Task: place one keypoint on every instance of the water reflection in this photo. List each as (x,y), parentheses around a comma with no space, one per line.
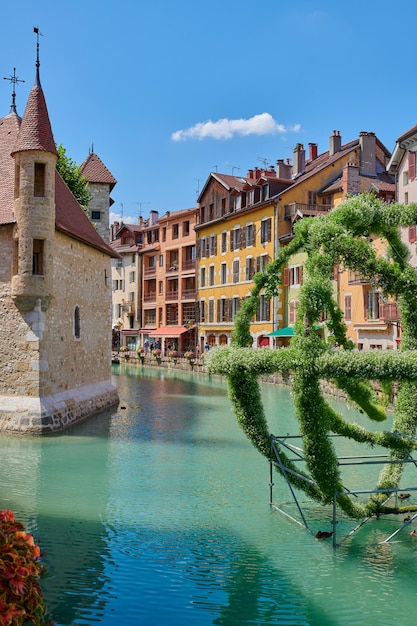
(158,513)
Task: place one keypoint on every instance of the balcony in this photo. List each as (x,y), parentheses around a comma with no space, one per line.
(150,297)
(150,272)
(356,278)
(291,210)
(188,294)
(171,295)
(389,312)
(188,265)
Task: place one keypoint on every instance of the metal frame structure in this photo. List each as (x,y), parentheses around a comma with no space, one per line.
(298,456)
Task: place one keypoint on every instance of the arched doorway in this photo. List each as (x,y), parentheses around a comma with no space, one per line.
(223,340)
(263,342)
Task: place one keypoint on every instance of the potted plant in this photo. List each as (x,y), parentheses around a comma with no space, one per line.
(190,356)
(125,352)
(173,354)
(141,354)
(157,354)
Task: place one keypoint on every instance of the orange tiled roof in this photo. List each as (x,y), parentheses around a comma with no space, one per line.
(71,219)
(9,128)
(94,170)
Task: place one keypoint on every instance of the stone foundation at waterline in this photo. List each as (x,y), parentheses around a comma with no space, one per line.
(51,414)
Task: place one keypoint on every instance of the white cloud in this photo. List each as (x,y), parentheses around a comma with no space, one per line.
(262,124)
(126,219)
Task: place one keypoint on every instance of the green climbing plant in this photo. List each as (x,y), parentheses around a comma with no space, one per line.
(341,238)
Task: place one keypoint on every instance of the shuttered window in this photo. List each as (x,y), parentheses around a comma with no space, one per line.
(411,165)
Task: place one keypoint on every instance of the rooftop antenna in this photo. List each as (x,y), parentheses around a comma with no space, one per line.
(234,167)
(215,166)
(197,191)
(264,161)
(140,206)
(14,80)
(121,211)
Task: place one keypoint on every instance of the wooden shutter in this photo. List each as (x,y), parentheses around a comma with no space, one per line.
(286,278)
(411,165)
(412,234)
(268,231)
(268,309)
(365,305)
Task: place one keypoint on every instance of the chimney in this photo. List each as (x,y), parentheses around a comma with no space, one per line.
(284,169)
(153,217)
(367,142)
(140,221)
(313,151)
(350,179)
(335,142)
(250,174)
(299,160)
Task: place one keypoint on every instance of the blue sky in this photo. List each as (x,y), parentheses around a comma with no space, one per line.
(166,92)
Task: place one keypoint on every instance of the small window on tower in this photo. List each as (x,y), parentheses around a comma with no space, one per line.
(39,181)
(96,215)
(77,323)
(37,258)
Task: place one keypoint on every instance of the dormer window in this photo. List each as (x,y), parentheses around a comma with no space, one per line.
(39,180)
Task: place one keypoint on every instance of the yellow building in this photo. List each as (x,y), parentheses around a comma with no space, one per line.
(236,238)
(243,223)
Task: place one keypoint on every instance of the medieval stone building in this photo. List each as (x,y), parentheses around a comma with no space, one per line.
(55,298)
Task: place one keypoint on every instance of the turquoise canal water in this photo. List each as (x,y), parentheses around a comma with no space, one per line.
(158,513)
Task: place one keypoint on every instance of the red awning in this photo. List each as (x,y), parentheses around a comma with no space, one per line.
(168,331)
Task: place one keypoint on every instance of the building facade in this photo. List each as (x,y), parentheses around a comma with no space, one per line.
(237,236)
(244,222)
(154,282)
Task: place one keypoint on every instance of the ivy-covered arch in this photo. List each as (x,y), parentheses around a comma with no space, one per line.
(342,237)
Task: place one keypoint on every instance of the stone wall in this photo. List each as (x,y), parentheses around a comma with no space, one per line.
(48,377)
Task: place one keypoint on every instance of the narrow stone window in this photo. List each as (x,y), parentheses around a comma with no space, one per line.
(17,181)
(39,180)
(77,325)
(15,261)
(37,257)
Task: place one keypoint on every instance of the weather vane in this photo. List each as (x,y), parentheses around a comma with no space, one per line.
(14,80)
(38,32)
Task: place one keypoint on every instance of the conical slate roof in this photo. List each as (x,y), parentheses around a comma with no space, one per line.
(35,130)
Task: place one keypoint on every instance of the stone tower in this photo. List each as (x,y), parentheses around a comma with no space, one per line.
(34,204)
(100,184)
